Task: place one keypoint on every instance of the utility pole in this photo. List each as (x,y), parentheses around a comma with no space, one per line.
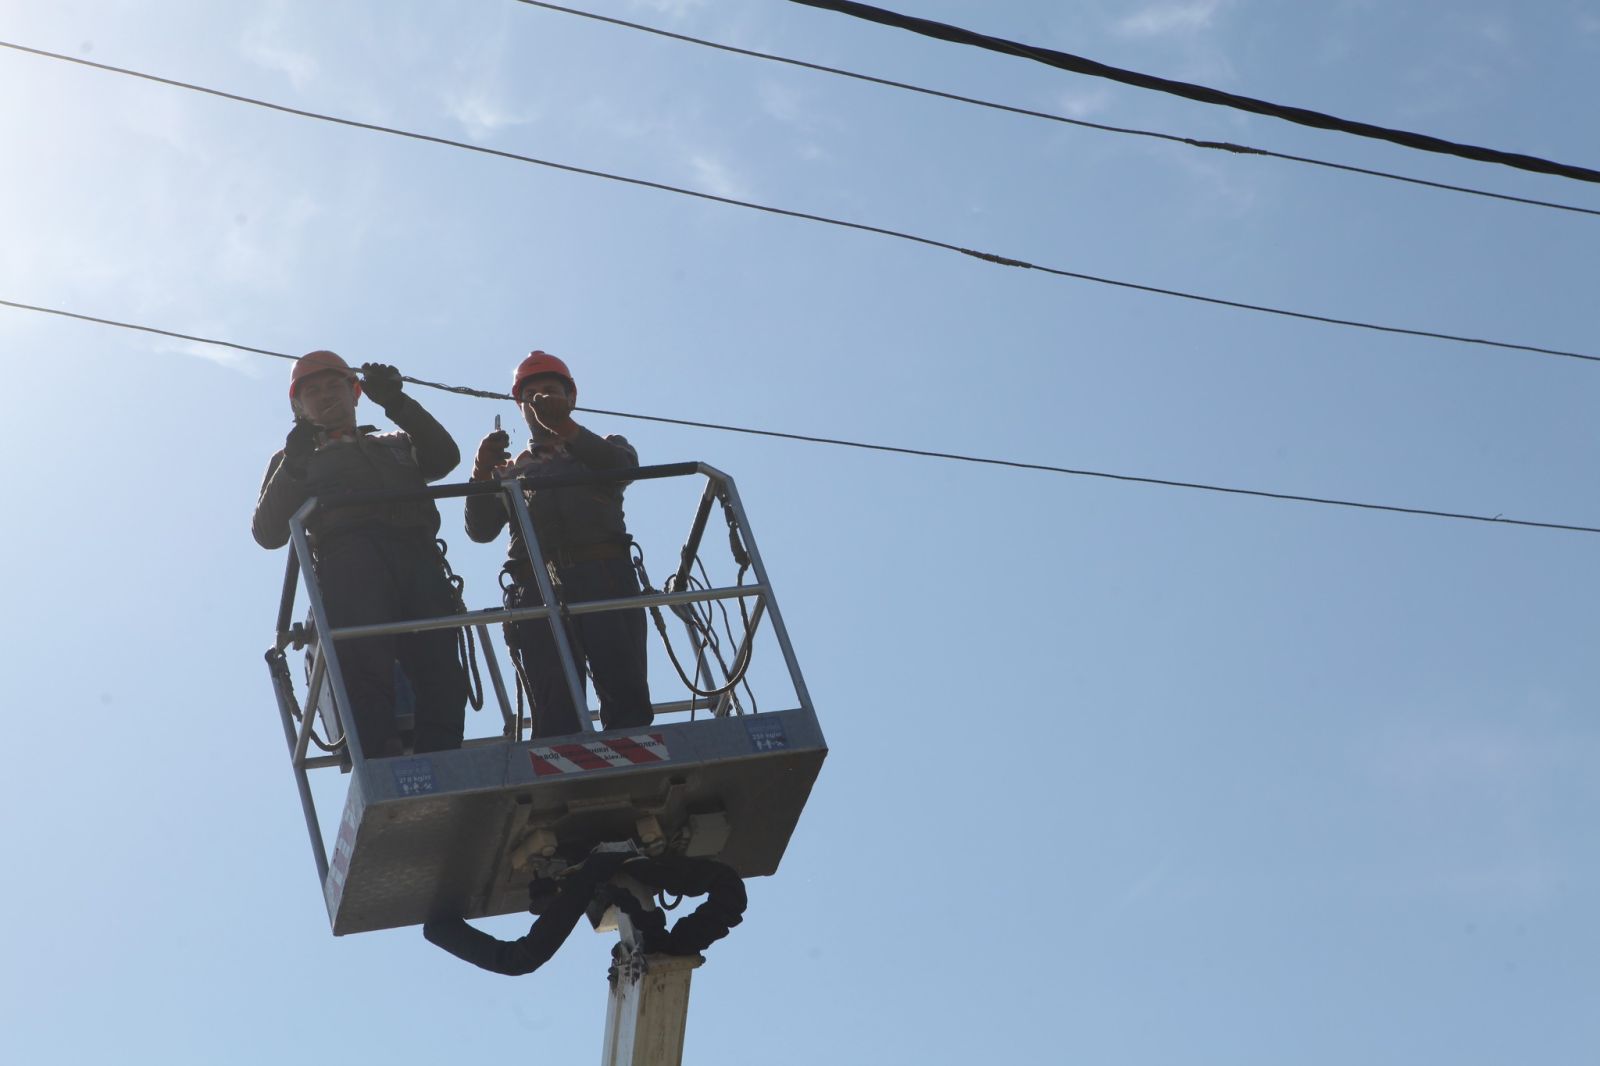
(648,1011)
(649,1008)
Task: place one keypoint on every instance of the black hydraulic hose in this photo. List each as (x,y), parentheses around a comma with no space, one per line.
(291,581)
(723,908)
(741,663)
(466,647)
(549,931)
(691,546)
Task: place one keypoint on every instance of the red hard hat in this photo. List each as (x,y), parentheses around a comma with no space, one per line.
(316,363)
(541,363)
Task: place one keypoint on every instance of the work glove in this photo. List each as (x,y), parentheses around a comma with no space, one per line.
(381,382)
(298,446)
(493,453)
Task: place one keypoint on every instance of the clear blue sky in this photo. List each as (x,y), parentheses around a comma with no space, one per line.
(1119,774)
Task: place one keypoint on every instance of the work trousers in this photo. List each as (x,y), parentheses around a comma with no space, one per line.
(612,643)
(377,575)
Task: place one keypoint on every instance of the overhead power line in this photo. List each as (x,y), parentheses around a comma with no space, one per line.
(1193,142)
(1304,117)
(924,453)
(882,231)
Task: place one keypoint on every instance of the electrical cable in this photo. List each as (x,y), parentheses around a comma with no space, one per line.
(925,453)
(1221,146)
(740,664)
(988,257)
(1204,94)
(727,627)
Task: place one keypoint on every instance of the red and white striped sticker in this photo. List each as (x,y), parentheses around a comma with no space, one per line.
(607,754)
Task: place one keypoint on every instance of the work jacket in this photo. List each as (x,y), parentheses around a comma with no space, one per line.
(564,518)
(421,452)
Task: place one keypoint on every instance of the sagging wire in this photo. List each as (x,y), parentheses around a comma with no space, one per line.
(736,548)
(923,453)
(1203,93)
(700,621)
(466,646)
(784,212)
(741,556)
(741,663)
(336,745)
(524,687)
(702,624)
(278,663)
(727,624)
(1193,142)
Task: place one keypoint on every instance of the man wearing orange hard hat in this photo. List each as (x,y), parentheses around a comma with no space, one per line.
(374,562)
(586,549)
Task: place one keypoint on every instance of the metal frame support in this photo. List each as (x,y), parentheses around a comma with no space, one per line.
(495,679)
(319,617)
(779,630)
(541,577)
(283,688)
(648,1011)
(741,654)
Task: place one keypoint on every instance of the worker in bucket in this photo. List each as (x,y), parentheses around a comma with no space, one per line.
(374,562)
(586,549)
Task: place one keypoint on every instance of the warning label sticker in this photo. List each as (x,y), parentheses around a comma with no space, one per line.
(414,777)
(607,754)
(766,734)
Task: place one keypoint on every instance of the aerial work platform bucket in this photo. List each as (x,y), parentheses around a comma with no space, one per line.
(462,832)
(452,832)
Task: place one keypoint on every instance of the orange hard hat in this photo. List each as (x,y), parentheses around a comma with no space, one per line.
(541,363)
(316,363)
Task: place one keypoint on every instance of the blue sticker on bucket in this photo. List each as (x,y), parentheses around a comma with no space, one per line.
(766,734)
(413,777)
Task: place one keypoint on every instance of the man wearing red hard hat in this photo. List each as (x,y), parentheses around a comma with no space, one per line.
(586,549)
(374,562)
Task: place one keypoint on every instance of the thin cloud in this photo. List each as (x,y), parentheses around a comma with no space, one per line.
(169,121)
(602,116)
(1085,104)
(1493,29)
(788,106)
(244,363)
(1163,19)
(714,176)
(784,103)
(1169,877)
(1440,758)
(1146,885)
(300,68)
(262,46)
(482,113)
(674,8)
(480,95)
(1218,190)
(261,252)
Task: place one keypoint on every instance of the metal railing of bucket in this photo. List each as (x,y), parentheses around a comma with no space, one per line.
(327,697)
